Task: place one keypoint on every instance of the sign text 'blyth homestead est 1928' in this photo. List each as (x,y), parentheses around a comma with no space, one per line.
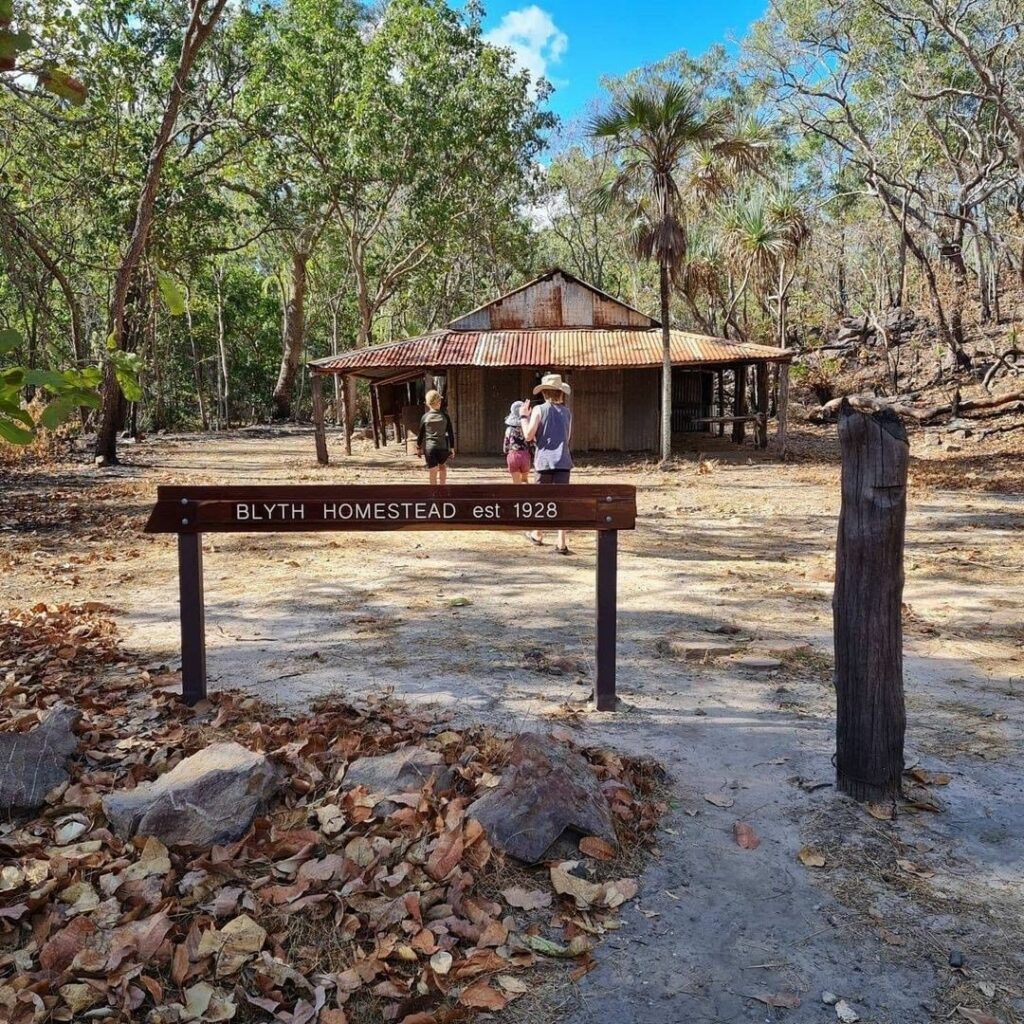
(192,511)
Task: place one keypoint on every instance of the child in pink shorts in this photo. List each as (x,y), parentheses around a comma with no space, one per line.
(517,449)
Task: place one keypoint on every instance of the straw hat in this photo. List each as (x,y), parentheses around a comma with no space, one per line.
(552,382)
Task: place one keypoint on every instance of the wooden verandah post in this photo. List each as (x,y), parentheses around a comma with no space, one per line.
(761,424)
(346,413)
(739,402)
(783,410)
(867,605)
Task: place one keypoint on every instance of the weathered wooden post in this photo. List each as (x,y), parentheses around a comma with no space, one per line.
(761,426)
(783,407)
(739,401)
(867,605)
(319,432)
(347,412)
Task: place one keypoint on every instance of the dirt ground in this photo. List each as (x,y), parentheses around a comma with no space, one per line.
(733,546)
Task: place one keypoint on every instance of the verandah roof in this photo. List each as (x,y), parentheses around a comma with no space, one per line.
(563,348)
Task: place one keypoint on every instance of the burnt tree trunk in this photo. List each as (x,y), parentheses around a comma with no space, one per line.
(866,605)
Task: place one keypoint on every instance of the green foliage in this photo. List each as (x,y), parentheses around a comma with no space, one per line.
(68,390)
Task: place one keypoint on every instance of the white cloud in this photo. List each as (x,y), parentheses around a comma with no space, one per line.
(533,37)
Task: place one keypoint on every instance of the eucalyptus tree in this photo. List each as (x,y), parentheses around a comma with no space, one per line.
(894,90)
(672,148)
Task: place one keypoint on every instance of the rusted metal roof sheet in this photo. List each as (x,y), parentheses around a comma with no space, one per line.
(558,349)
(555,299)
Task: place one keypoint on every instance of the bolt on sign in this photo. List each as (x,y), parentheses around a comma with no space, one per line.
(192,511)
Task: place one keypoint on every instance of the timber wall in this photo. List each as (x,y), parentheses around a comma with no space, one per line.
(613,410)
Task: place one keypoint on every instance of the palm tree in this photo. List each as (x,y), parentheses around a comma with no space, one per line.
(654,131)
(765,232)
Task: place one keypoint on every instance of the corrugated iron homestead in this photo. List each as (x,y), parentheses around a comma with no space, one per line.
(609,352)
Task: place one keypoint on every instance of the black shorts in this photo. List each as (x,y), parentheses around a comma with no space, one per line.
(436,457)
(553,476)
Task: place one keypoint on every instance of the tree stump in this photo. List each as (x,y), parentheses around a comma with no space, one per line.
(867,605)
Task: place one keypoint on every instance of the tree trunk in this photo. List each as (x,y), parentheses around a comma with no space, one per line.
(224,388)
(196,34)
(294,331)
(666,369)
(867,605)
(319,432)
(197,363)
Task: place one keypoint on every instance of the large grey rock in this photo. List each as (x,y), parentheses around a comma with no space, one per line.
(400,771)
(209,798)
(33,762)
(546,789)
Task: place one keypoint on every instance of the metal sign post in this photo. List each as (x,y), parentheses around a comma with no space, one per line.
(192,511)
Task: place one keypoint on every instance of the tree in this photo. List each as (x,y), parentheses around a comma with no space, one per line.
(652,130)
(203,17)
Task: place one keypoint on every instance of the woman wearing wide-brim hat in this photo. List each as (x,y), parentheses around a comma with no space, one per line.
(549,426)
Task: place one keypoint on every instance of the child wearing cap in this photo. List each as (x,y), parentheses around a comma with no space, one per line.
(516,448)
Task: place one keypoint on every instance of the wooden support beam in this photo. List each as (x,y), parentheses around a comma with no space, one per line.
(761,427)
(867,603)
(721,403)
(739,402)
(783,411)
(374,417)
(346,414)
(319,433)
(381,421)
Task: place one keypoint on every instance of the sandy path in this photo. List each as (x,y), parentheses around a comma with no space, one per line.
(749,546)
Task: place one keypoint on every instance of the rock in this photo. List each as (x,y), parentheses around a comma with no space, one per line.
(32,763)
(778,648)
(547,789)
(759,663)
(829,998)
(845,1013)
(209,798)
(401,771)
(956,958)
(702,650)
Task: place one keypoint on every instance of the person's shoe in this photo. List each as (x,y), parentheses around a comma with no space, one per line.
(563,551)
(534,540)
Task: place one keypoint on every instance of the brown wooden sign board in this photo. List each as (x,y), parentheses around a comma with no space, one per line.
(191,511)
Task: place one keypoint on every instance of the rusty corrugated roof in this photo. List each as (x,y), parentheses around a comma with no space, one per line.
(567,348)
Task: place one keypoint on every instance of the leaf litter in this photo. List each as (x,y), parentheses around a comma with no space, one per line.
(334,908)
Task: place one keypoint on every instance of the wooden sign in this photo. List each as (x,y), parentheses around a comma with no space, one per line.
(192,511)
(400,507)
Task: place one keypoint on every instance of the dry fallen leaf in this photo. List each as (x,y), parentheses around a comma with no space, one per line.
(565,883)
(441,962)
(782,1000)
(526,899)
(512,985)
(482,997)
(811,857)
(914,869)
(746,837)
(977,1016)
(891,938)
(883,812)
(719,799)
(596,847)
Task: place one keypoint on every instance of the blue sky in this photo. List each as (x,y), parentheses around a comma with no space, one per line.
(573,43)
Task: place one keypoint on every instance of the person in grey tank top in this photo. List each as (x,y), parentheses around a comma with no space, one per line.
(549,426)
